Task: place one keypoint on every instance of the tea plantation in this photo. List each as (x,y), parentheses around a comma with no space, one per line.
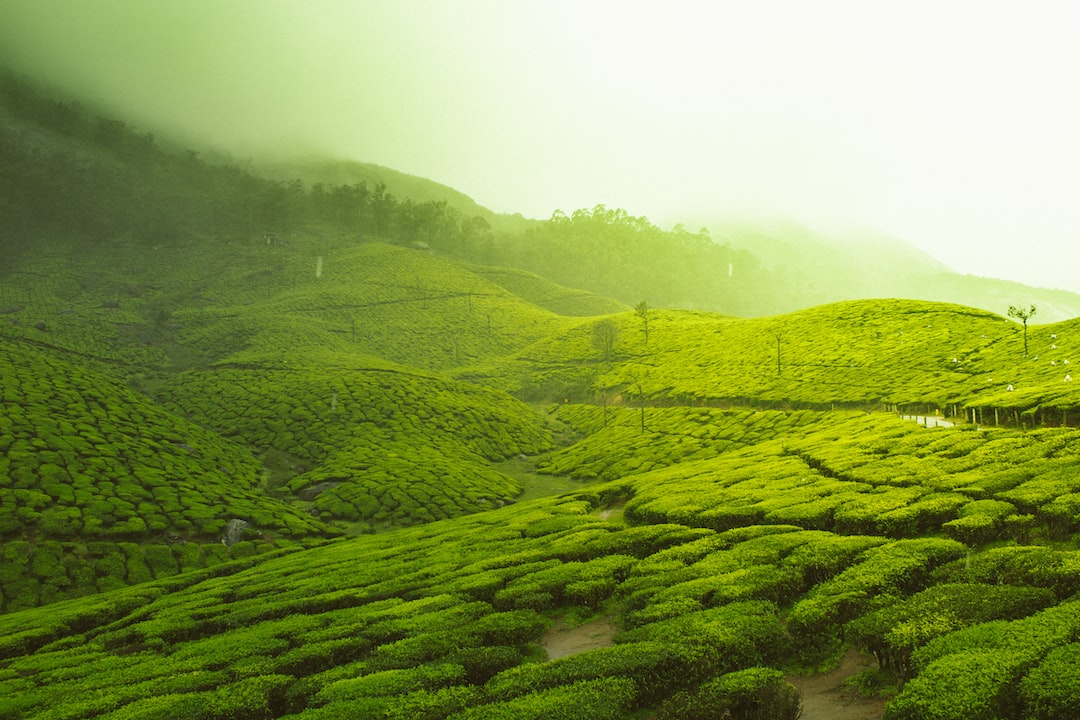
(268,479)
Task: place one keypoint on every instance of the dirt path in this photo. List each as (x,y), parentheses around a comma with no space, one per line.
(825,698)
(560,641)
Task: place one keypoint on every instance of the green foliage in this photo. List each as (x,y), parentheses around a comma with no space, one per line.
(151,467)
(278,367)
(975,672)
(966,685)
(1051,691)
(655,668)
(392,448)
(750,694)
(388,683)
(892,633)
(895,568)
(1028,565)
(638,259)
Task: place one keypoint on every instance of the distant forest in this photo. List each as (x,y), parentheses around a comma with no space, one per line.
(66,171)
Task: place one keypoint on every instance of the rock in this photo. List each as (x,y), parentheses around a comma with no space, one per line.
(234,531)
(309,493)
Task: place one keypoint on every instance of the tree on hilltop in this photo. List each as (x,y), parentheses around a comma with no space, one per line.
(1022,314)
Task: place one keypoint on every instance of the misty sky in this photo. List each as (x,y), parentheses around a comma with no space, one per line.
(954,125)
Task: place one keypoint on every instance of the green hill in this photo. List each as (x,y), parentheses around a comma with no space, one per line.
(376,444)
(872,354)
(103,488)
(275,452)
(551,296)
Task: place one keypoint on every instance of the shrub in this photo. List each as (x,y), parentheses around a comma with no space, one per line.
(974,529)
(974,684)
(721,639)
(895,568)
(605,699)
(1018,565)
(656,669)
(160,560)
(14,559)
(253,698)
(481,663)
(752,694)
(894,632)
(182,706)
(514,627)
(386,683)
(1052,690)
(427,704)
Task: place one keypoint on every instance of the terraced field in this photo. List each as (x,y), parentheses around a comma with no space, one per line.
(264,454)
(377,444)
(745,499)
(873,354)
(444,619)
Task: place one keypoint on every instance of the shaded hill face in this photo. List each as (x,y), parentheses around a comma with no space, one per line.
(332,172)
(274,338)
(89,458)
(379,446)
(103,488)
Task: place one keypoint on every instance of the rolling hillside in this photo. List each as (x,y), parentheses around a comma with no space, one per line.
(311,470)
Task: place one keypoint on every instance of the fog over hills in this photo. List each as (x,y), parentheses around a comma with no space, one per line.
(747,267)
(943,126)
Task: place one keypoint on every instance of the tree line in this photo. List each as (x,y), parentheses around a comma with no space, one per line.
(611,252)
(66,170)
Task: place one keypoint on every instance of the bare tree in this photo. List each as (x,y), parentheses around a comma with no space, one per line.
(606,337)
(1022,314)
(642,309)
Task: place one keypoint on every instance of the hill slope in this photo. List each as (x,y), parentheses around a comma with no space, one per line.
(722,568)
(867,353)
(728,495)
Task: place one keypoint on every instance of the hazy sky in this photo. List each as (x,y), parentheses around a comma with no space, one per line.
(954,125)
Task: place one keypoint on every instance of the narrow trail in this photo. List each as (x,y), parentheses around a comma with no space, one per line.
(824,696)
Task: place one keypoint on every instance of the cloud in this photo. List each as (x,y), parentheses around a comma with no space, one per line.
(949,124)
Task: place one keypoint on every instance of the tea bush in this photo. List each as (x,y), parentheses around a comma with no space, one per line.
(750,694)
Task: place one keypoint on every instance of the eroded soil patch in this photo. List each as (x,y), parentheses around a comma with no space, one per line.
(561,641)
